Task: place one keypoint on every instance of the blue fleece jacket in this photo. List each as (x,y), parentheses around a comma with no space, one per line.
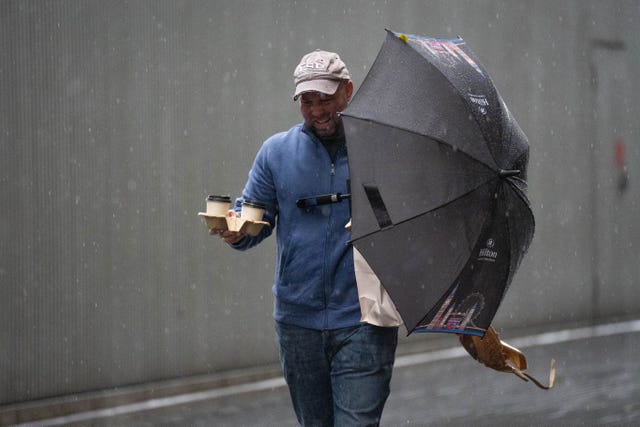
(315,283)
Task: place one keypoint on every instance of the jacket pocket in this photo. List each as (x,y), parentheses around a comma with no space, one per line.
(300,272)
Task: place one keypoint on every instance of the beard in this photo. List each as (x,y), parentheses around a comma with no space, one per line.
(326,127)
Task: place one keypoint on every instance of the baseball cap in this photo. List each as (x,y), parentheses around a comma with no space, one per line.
(319,71)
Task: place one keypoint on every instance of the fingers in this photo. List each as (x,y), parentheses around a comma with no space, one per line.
(230,237)
(216,231)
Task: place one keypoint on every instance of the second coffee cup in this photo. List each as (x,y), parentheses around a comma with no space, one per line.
(252,210)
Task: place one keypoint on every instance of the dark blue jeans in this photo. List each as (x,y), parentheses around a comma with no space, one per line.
(337,377)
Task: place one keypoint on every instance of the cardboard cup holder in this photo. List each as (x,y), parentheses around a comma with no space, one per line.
(218,216)
(233,223)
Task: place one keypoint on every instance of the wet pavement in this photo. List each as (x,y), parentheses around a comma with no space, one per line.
(597,384)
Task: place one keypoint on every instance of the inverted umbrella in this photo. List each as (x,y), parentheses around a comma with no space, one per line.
(437,176)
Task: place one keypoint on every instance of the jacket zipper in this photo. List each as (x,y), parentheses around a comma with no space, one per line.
(326,289)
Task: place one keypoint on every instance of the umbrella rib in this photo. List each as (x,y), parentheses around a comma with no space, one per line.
(448,203)
(423,213)
(437,140)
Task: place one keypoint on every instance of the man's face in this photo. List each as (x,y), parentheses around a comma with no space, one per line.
(320,111)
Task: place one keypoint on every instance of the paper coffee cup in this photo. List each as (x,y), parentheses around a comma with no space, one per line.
(252,210)
(218,205)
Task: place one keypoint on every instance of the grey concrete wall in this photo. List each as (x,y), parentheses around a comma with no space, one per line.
(117,119)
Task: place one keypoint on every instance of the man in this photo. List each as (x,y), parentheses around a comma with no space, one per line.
(338,369)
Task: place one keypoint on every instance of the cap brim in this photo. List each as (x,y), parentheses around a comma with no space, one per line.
(328,87)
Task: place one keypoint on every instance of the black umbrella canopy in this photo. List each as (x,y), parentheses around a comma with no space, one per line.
(438,169)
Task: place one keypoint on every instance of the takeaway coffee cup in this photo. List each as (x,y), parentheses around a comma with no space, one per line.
(218,205)
(252,210)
